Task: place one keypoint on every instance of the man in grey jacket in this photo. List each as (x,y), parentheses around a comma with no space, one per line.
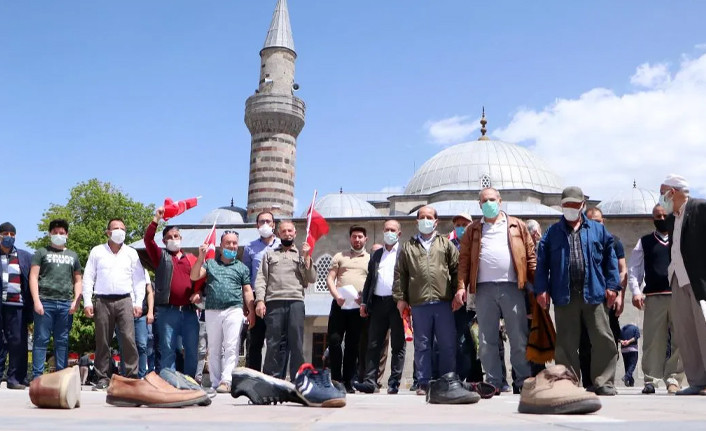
(279,299)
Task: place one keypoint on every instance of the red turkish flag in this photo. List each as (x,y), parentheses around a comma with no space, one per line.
(317,227)
(211,241)
(173,209)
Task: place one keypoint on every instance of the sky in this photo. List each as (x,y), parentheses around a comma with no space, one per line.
(150,96)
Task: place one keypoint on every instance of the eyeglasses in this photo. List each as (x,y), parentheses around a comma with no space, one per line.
(230,232)
(264,221)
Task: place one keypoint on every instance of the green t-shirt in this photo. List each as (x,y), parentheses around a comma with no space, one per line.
(56,272)
(224,284)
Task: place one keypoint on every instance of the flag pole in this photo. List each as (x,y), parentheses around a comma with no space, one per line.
(308,214)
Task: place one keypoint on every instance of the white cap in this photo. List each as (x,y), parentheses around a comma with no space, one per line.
(676,181)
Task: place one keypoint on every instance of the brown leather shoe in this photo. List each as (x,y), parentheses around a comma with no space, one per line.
(158,382)
(124,392)
(59,390)
(555,391)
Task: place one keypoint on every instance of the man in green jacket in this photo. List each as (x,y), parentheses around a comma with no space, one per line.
(425,280)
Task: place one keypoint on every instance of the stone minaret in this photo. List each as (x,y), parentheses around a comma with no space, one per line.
(274,117)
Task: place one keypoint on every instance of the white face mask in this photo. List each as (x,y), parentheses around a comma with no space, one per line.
(117,236)
(265,230)
(390,238)
(58,240)
(425,225)
(571,214)
(173,245)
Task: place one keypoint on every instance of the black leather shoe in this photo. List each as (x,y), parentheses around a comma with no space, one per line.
(449,390)
(349,388)
(364,387)
(648,389)
(606,391)
(393,390)
(15,385)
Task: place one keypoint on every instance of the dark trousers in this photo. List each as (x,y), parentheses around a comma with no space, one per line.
(362,348)
(13,341)
(468,365)
(384,316)
(285,337)
(433,320)
(108,314)
(256,341)
(585,347)
(630,361)
(348,324)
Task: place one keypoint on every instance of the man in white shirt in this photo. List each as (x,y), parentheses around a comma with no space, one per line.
(687,278)
(497,259)
(116,277)
(378,303)
(649,262)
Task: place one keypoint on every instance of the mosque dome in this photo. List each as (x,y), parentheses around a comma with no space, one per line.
(343,205)
(225,215)
(484,163)
(633,201)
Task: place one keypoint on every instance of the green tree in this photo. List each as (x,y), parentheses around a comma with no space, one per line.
(90,206)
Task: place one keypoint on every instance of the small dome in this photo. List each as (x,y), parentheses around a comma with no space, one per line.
(225,215)
(484,163)
(343,205)
(633,201)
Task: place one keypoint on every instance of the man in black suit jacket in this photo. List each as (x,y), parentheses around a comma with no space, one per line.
(687,275)
(377,303)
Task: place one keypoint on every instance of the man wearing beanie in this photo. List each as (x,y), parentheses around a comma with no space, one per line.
(15,306)
(687,278)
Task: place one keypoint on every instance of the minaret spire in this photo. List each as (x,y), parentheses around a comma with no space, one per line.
(483,130)
(280,33)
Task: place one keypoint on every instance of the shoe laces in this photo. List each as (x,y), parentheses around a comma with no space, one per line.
(566,374)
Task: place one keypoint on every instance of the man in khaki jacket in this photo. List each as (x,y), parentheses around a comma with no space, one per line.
(496,260)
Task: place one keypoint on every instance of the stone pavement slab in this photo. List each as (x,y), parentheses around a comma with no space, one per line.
(627,411)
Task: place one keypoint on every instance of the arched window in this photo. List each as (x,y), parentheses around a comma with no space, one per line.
(323,264)
(485,182)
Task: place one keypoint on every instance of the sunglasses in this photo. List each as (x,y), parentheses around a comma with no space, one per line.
(229,232)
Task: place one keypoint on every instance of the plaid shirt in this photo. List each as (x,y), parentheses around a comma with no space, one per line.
(576,263)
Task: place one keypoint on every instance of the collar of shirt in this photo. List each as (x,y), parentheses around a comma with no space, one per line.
(395,247)
(427,241)
(680,212)
(502,218)
(293,248)
(275,242)
(662,237)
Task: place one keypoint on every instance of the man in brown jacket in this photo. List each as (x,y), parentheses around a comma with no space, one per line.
(496,261)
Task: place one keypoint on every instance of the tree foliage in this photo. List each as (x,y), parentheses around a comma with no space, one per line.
(90,206)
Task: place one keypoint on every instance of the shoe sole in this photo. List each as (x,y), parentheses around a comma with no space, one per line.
(70,390)
(279,392)
(575,408)
(126,402)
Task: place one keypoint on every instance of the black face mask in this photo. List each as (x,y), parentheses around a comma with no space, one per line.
(661,225)
(287,242)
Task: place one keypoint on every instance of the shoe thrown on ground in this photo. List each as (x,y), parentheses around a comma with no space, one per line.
(692,390)
(124,392)
(672,389)
(179,380)
(449,390)
(223,388)
(59,390)
(365,387)
(485,390)
(157,381)
(316,389)
(649,388)
(606,391)
(556,391)
(262,389)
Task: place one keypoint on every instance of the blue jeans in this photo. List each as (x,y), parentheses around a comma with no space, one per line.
(150,349)
(141,343)
(431,320)
(55,321)
(170,323)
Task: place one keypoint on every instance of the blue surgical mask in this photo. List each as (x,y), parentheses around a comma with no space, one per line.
(460,230)
(425,225)
(491,209)
(390,238)
(229,254)
(8,241)
(666,202)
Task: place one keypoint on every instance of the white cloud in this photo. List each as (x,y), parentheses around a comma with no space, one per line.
(451,130)
(601,140)
(651,76)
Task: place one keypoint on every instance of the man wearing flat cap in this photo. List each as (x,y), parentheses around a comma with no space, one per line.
(687,278)
(15,306)
(577,268)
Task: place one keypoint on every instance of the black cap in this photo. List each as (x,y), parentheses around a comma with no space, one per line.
(8,227)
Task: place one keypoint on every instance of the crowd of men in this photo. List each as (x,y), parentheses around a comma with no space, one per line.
(494,268)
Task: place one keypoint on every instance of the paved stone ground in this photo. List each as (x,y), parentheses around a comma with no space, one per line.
(628,411)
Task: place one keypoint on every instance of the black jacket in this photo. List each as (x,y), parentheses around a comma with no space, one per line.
(372,279)
(693,245)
